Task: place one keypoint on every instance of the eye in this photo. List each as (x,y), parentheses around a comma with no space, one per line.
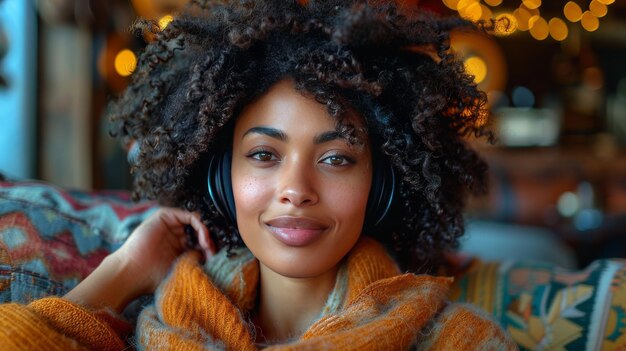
(338,160)
(262,155)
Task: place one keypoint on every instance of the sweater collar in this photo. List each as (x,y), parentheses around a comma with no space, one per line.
(237,274)
(374,307)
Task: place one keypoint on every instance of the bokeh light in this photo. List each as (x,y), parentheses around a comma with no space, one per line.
(451,4)
(523,97)
(598,9)
(572,11)
(486,13)
(568,204)
(558,29)
(493,3)
(532,4)
(165,21)
(527,17)
(477,67)
(125,62)
(539,28)
(588,219)
(470,9)
(589,21)
(506,24)
(522,15)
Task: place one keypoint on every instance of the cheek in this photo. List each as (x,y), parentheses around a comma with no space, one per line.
(249,193)
(349,200)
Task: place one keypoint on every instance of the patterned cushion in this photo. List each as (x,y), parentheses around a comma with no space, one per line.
(51,238)
(544,307)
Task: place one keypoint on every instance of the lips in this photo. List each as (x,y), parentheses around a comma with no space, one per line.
(296,231)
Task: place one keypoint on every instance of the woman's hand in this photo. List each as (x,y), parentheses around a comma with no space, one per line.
(152,248)
(143,261)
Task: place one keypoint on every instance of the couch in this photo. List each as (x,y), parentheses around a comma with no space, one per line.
(51,238)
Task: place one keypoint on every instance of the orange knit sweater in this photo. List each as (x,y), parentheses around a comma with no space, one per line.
(372,307)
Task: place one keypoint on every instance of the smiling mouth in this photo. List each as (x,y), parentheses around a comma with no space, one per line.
(295,231)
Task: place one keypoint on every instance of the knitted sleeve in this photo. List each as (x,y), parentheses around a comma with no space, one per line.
(56,324)
(465,327)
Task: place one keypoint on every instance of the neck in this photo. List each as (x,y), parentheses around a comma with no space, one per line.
(288,306)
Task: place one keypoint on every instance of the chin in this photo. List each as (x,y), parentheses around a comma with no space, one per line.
(301,269)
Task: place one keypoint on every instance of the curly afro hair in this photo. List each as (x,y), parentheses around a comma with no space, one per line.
(394,68)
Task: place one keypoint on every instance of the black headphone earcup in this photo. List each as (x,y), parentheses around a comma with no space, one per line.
(219,185)
(381,194)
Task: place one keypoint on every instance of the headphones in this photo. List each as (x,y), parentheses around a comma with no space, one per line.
(379,201)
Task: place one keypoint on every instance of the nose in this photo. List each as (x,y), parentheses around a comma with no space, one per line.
(297,185)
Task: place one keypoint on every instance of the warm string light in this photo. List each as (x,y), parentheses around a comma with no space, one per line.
(527,16)
(165,21)
(572,12)
(125,62)
(477,67)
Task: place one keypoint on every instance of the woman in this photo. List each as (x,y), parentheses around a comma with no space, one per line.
(333,138)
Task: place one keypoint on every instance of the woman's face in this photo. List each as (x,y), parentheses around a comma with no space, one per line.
(300,187)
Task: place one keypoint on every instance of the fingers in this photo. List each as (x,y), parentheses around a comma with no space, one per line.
(183,224)
(175,219)
(203,239)
(206,244)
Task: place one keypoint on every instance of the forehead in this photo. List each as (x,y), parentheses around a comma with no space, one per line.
(283,107)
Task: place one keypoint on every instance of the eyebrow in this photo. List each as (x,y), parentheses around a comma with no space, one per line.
(282,136)
(327,136)
(270,132)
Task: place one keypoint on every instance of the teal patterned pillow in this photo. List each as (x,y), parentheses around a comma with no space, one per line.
(50,238)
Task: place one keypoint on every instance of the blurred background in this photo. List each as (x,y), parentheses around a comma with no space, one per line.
(555,77)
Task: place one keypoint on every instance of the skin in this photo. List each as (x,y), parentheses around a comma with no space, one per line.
(282,169)
(276,180)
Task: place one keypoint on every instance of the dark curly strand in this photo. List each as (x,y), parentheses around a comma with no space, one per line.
(217,56)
